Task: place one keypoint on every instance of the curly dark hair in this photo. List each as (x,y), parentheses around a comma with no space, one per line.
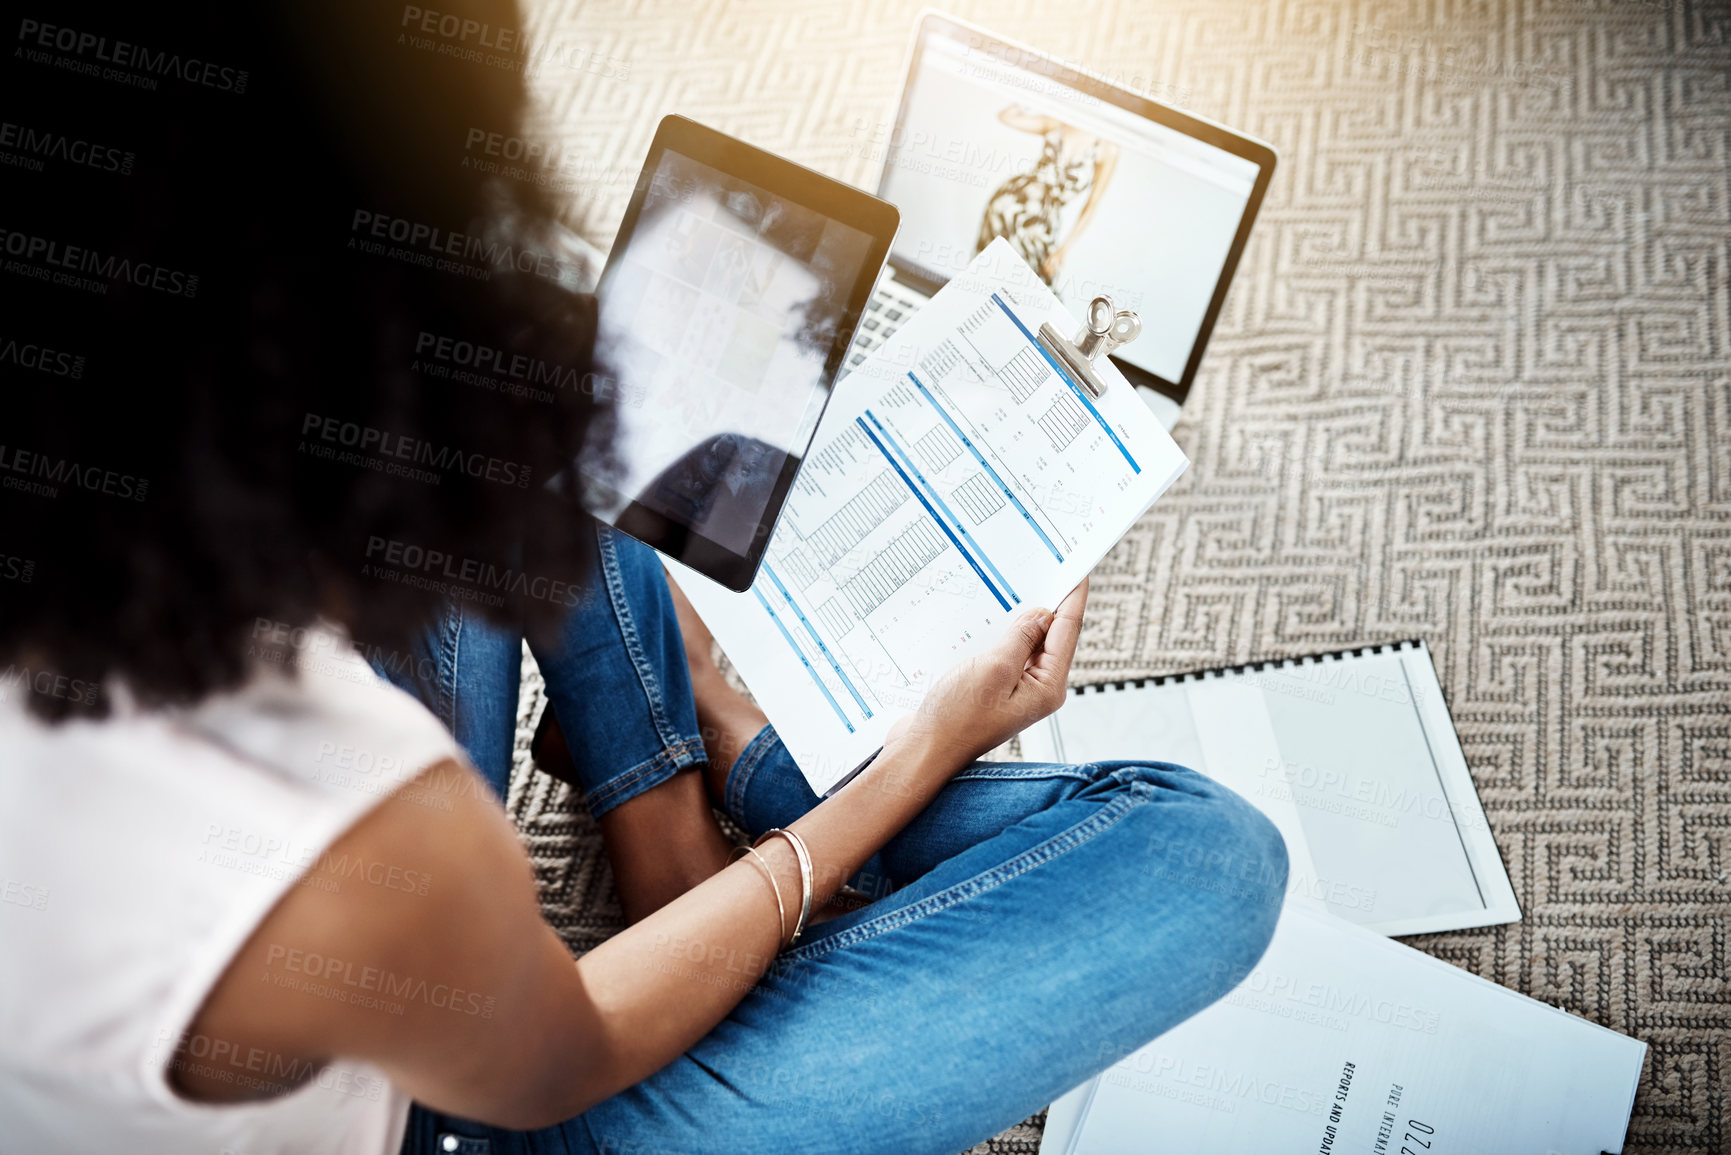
(281,353)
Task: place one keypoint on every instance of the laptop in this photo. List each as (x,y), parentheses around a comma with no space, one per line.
(1100,189)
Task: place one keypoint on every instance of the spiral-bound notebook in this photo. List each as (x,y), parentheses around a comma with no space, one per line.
(1353,756)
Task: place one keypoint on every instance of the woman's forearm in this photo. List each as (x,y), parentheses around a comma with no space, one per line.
(1103,171)
(662,984)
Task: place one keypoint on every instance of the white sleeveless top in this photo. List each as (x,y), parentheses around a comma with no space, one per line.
(137,855)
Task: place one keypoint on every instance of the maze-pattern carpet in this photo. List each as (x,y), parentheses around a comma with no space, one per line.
(1472,384)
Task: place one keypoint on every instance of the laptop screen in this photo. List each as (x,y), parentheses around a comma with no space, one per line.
(1098,197)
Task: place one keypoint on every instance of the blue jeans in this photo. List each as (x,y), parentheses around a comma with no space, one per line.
(1037,922)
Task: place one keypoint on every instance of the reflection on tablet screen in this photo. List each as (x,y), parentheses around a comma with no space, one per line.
(720,316)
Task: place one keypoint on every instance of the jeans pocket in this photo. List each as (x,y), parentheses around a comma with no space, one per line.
(452,1144)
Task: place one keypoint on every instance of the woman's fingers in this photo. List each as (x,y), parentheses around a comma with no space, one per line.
(1076,601)
(1047,676)
(1023,640)
(1065,631)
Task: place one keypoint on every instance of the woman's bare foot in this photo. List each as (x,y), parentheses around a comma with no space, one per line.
(726,719)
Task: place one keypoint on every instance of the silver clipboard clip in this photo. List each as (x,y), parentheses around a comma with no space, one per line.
(1107,328)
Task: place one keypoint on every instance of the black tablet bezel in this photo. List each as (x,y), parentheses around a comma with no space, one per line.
(933,23)
(877,218)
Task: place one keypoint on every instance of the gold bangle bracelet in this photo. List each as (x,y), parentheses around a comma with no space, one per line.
(763,865)
(805,874)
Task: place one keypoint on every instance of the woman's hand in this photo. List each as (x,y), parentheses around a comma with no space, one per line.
(996,695)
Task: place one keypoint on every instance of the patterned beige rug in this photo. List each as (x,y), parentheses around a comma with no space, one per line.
(1473,384)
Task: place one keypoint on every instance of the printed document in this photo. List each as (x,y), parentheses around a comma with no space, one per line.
(956,479)
(1340,1040)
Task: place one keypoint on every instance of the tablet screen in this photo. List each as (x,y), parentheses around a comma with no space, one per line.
(719,316)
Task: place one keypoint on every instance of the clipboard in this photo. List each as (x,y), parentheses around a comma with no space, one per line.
(1107,328)
(962,474)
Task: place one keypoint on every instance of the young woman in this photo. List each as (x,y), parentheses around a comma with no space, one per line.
(259,900)
(1031,209)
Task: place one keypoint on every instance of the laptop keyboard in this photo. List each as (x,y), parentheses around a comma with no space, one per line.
(888,310)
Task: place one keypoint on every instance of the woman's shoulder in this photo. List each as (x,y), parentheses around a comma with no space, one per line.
(315,712)
(297,753)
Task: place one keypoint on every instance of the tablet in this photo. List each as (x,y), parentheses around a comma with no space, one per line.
(726,305)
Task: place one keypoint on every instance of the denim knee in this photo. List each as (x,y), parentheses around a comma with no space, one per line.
(1218,847)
